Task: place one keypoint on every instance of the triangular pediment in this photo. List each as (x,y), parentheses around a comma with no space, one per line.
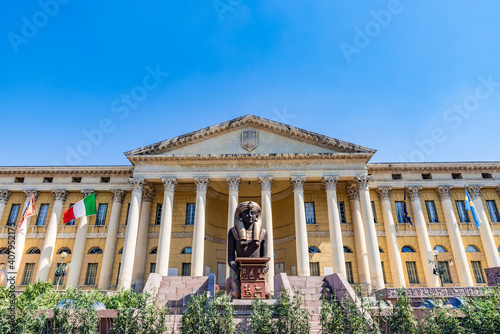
(249,135)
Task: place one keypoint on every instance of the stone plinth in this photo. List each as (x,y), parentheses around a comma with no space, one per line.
(493,276)
(253,277)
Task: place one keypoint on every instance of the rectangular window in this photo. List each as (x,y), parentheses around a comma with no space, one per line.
(342,213)
(91,274)
(14,212)
(19,180)
(411,268)
(105,179)
(396,176)
(445,276)
(462,213)
(58,280)
(48,179)
(72,221)
(456,176)
(118,276)
(487,175)
(186,269)
(383,272)
(314,267)
(76,180)
(492,208)
(159,206)
(101,214)
(28,273)
(400,212)
(190,210)
(128,214)
(431,211)
(478,271)
(310,219)
(152,268)
(348,272)
(426,176)
(42,214)
(374,212)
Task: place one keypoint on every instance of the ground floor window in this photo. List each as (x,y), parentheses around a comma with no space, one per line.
(314,267)
(152,268)
(91,274)
(478,271)
(445,276)
(58,280)
(186,269)
(28,273)
(348,272)
(411,268)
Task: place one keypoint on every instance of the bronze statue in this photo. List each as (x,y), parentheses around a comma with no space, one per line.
(246,239)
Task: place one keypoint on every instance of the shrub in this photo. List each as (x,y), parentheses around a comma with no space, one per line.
(482,314)
(401,319)
(261,317)
(292,318)
(331,317)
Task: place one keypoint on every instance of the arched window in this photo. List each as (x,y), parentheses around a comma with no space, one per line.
(347,250)
(407,249)
(34,250)
(120,251)
(64,250)
(440,249)
(314,249)
(187,250)
(95,250)
(380,250)
(4,250)
(154,250)
(471,249)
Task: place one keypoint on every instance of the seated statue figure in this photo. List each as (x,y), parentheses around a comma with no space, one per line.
(246,239)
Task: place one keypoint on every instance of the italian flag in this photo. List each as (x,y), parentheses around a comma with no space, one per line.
(86,207)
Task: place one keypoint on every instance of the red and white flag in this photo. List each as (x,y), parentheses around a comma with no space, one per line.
(28,212)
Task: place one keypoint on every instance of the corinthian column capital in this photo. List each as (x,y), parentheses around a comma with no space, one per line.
(148,194)
(474,191)
(118,195)
(352,191)
(60,194)
(298,182)
(201,183)
(384,192)
(362,181)
(169,183)
(233,183)
(330,182)
(138,183)
(413,192)
(29,192)
(444,192)
(5,195)
(266,182)
(87,192)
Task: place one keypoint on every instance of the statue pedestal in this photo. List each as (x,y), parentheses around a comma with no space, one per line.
(253,277)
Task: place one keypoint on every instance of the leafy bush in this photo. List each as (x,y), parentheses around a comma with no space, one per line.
(261,317)
(482,314)
(332,317)
(401,319)
(292,318)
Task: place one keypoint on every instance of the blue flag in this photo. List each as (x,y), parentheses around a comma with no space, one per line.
(405,212)
(469,205)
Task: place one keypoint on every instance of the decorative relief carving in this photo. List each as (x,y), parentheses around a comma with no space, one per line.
(493,276)
(474,191)
(148,194)
(201,183)
(413,192)
(249,140)
(60,194)
(233,183)
(4,195)
(87,192)
(169,183)
(266,182)
(330,182)
(352,191)
(29,192)
(138,183)
(362,181)
(420,293)
(118,195)
(298,182)
(444,192)
(384,192)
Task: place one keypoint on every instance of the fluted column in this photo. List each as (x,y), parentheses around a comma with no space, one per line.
(359,237)
(164,240)
(129,248)
(23,231)
(108,258)
(4,198)
(457,246)
(374,262)
(266,183)
(338,259)
(422,236)
(198,255)
(141,249)
(300,226)
(49,243)
(79,248)
(398,276)
(233,184)
(490,249)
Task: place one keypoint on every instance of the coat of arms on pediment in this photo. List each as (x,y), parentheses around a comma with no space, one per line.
(249,139)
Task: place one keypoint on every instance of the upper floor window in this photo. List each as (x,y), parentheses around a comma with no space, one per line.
(76,179)
(462,213)
(101,214)
(396,176)
(42,214)
(400,212)
(105,179)
(492,208)
(310,216)
(95,250)
(374,212)
(426,176)
(342,212)
(14,212)
(471,249)
(19,180)
(72,221)
(190,210)
(314,249)
(127,217)
(431,211)
(456,176)
(407,249)
(159,207)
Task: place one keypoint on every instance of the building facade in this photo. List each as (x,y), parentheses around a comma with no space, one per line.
(326,208)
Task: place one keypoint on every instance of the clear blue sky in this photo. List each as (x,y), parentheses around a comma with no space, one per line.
(375,73)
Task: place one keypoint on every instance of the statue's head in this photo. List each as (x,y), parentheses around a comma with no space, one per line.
(248,212)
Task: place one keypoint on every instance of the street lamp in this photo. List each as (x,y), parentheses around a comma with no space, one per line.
(61,269)
(439,268)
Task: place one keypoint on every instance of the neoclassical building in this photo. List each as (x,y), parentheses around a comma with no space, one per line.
(326,208)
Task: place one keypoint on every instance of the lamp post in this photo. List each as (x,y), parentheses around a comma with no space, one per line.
(439,268)
(61,269)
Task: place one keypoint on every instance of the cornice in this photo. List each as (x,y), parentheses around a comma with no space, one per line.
(76,170)
(434,166)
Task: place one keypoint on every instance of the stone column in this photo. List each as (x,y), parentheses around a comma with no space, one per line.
(338,259)
(398,276)
(490,249)
(300,226)
(374,262)
(4,198)
(129,248)
(266,183)
(198,256)
(233,183)
(79,248)
(165,237)
(23,231)
(359,237)
(457,246)
(141,249)
(422,236)
(108,258)
(51,235)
